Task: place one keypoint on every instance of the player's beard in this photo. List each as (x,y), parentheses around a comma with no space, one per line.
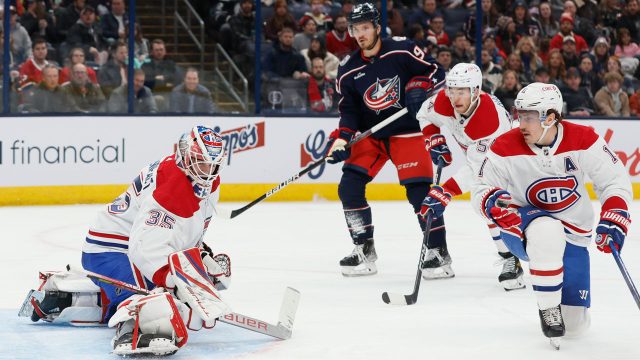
(376,37)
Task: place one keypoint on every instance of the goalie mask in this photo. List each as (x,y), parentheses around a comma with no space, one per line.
(200,154)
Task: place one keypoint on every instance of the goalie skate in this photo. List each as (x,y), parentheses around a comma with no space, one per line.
(511,277)
(151,344)
(361,261)
(437,264)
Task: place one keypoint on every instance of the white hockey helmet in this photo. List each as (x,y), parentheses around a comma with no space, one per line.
(465,75)
(200,153)
(539,97)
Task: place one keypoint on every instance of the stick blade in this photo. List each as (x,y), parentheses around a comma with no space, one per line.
(289,309)
(397,299)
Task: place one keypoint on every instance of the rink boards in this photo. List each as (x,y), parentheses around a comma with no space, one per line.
(66,160)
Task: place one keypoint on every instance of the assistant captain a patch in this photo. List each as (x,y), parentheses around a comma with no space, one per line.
(383,94)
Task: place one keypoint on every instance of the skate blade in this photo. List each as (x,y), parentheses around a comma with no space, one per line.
(157,347)
(515,284)
(555,342)
(443,272)
(360,270)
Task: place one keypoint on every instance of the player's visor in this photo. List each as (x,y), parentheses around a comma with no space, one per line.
(526,116)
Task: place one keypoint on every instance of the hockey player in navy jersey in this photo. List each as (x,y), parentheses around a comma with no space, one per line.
(532,186)
(371,83)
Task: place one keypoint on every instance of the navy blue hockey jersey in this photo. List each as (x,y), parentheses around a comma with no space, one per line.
(372,89)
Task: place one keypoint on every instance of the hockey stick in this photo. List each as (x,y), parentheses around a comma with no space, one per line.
(224,213)
(625,273)
(399,299)
(282,330)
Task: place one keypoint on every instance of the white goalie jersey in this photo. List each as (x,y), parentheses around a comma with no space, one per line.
(553,178)
(474,134)
(157,215)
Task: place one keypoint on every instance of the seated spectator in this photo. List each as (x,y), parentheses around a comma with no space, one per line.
(80,94)
(491,73)
(424,15)
(31,70)
(514,62)
(548,24)
(339,42)
(76,56)
(578,101)
(68,16)
(634,103)
(497,56)
(600,54)
(566,29)
(191,97)
(436,29)
(583,19)
(394,18)
(302,40)
(281,18)
(46,97)
(321,19)
(588,78)
(556,67)
(461,50)
(506,36)
(416,34)
(84,34)
(283,60)
(569,53)
(161,73)
(141,44)
(630,19)
(609,13)
(528,54)
(444,58)
(542,75)
(525,24)
(317,49)
(38,23)
(236,36)
(20,40)
(114,23)
(321,90)
(114,72)
(347,6)
(614,65)
(611,100)
(508,90)
(490,15)
(143,102)
(626,47)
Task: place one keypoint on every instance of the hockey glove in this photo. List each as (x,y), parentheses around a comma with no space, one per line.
(336,150)
(612,227)
(438,148)
(498,208)
(437,199)
(417,91)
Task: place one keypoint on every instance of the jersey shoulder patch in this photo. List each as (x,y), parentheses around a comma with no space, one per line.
(442,105)
(484,121)
(174,191)
(511,143)
(576,137)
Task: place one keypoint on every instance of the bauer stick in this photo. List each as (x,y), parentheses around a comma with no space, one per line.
(224,213)
(399,299)
(625,273)
(281,331)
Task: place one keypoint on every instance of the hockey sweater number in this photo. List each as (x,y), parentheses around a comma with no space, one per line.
(160,218)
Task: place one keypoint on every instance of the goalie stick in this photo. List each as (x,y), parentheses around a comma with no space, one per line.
(230,214)
(282,330)
(399,299)
(625,273)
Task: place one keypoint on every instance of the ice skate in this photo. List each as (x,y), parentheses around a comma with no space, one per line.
(511,277)
(437,264)
(361,261)
(552,325)
(146,344)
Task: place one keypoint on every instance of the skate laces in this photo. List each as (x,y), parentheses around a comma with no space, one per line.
(508,264)
(434,254)
(552,316)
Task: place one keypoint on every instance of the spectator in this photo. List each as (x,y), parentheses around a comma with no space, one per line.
(542,75)
(582,19)
(76,56)
(339,42)
(491,73)
(609,13)
(508,90)
(489,43)
(634,103)
(85,34)
(20,40)
(38,23)
(144,102)
(141,44)
(283,60)
(566,29)
(578,101)
(460,49)
(114,23)
(69,15)
(611,100)
(395,22)
(557,68)
(309,30)
(600,54)
(191,97)
(548,24)
(529,57)
(614,65)
(80,94)
(630,19)
(161,73)
(322,20)
(514,63)
(46,97)
(239,37)
(569,53)
(436,29)
(281,18)
(490,17)
(506,38)
(626,47)
(444,57)
(31,70)
(588,78)
(321,90)
(114,72)
(416,34)
(525,24)
(330,61)
(424,15)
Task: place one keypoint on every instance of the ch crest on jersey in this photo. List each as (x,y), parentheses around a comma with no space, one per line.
(553,194)
(382,94)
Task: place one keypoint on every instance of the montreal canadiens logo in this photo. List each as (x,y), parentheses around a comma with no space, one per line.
(553,194)
(383,94)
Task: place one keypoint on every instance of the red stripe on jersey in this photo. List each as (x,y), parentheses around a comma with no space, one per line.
(546,272)
(576,137)
(109,236)
(452,187)
(442,105)
(575,228)
(174,191)
(614,202)
(430,130)
(160,276)
(511,143)
(139,278)
(484,121)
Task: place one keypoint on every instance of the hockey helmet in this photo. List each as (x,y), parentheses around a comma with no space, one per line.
(539,97)
(465,75)
(363,12)
(200,153)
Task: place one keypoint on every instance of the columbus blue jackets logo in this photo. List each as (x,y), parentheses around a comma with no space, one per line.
(553,194)
(383,94)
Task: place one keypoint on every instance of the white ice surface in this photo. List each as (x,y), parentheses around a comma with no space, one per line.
(275,245)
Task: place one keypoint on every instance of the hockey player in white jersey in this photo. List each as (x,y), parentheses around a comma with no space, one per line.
(474,119)
(532,185)
(151,237)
